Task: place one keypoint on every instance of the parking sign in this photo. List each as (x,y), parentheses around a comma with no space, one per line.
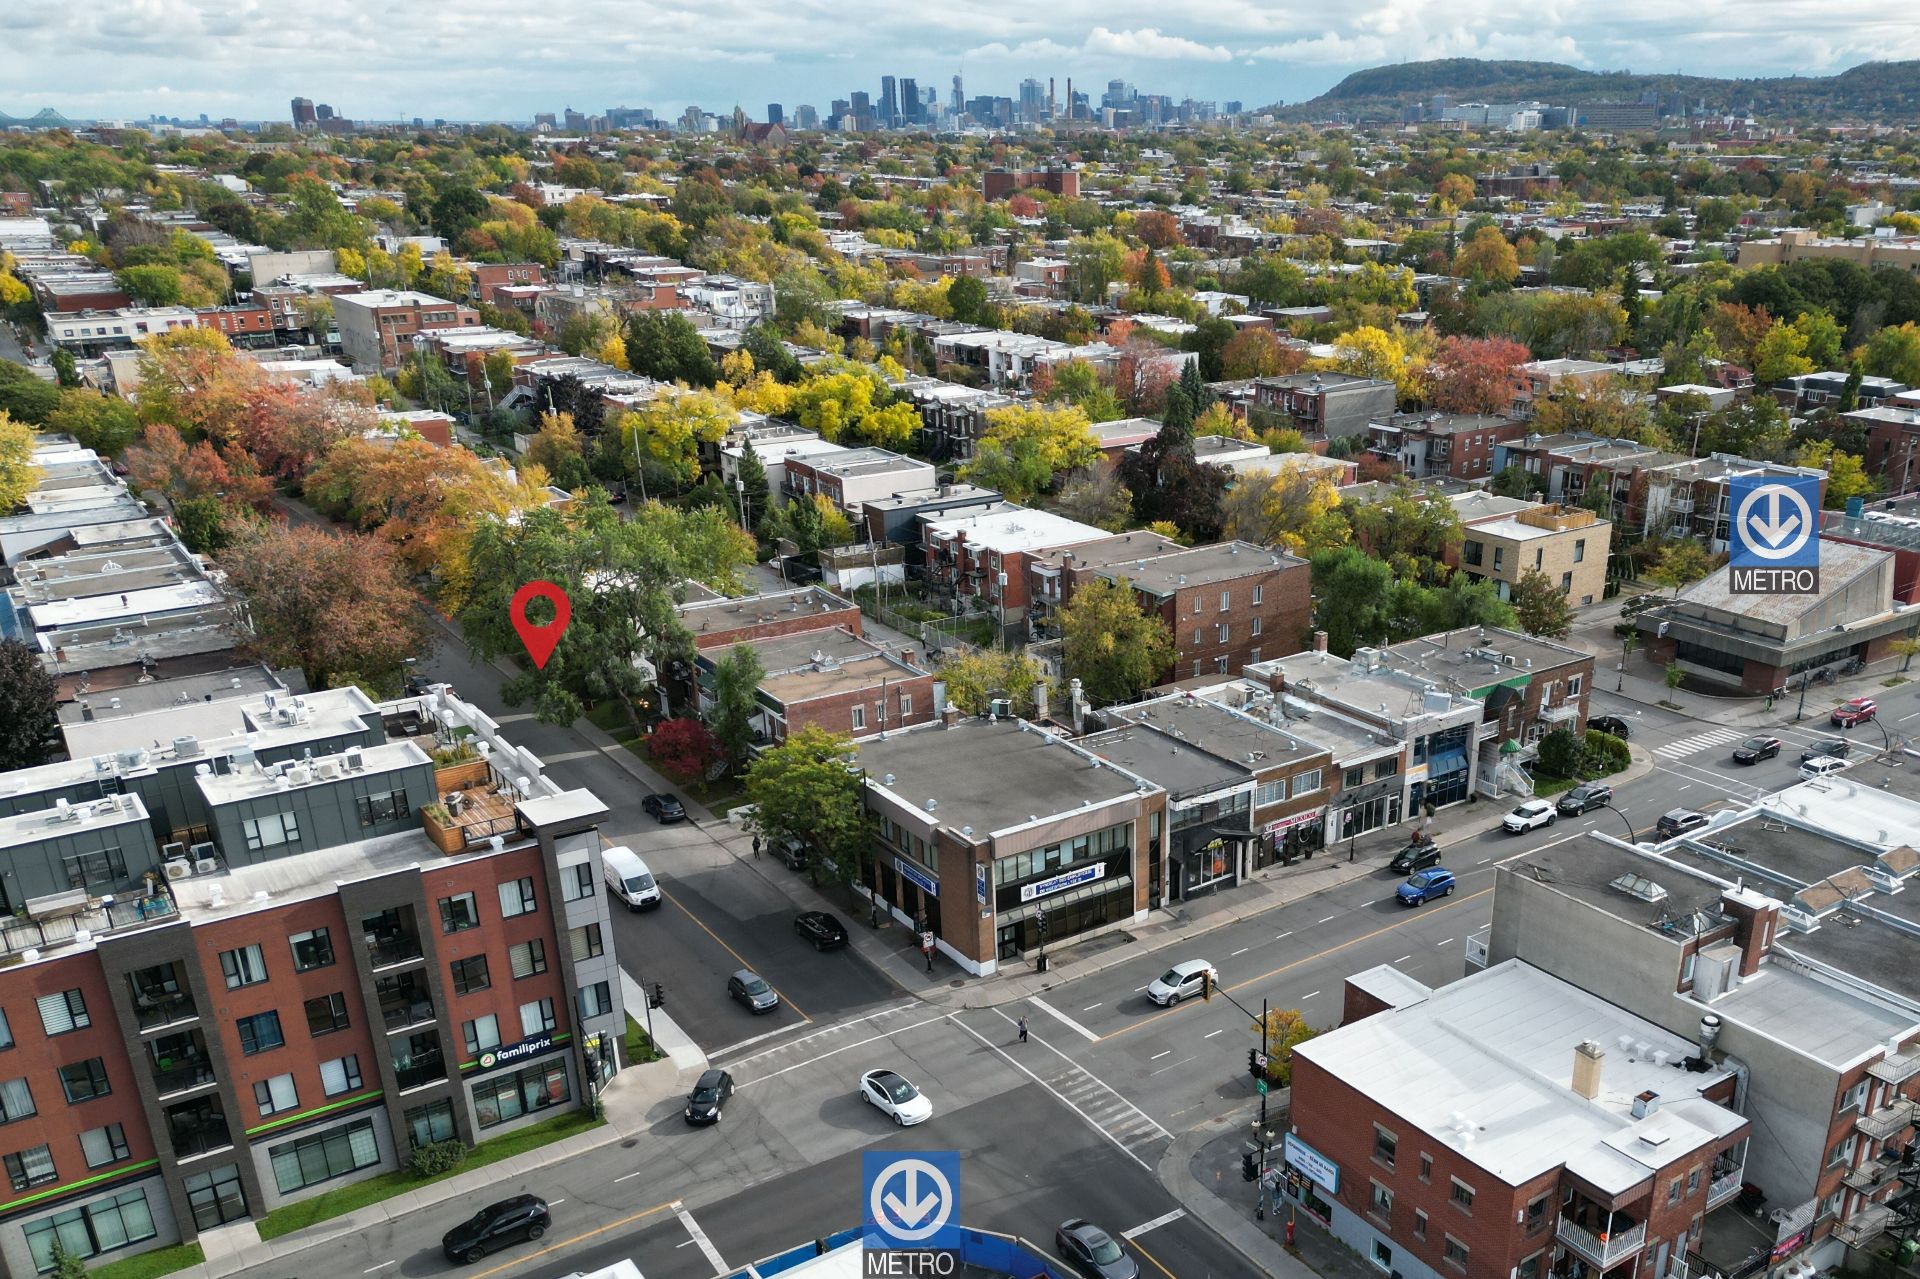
(1774,541)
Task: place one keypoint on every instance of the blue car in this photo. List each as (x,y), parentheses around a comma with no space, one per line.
(1435,881)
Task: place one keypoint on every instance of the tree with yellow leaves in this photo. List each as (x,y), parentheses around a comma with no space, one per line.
(672,426)
(1487,257)
(1025,446)
(1296,508)
(16,462)
(1372,352)
(613,351)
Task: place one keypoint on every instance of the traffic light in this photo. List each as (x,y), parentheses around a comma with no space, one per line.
(1040,922)
(659,999)
(1253,1063)
(1249,1169)
(1206,983)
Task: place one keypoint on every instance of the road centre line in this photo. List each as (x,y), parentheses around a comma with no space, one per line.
(705,1244)
(382,1266)
(1236,954)
(701,925)
(1065,1020)
(1443,943)
(1310,994)
(1172,1065)
(1282,936)
(1211,1033)
(1090,1007)
(1403,959)
(1158,1056)
(522,1260)
(630,1176)
(1164,1219)
(836,1051)
(1328,918)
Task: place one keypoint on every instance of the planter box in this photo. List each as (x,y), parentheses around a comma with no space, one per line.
(448,839)
(453,777)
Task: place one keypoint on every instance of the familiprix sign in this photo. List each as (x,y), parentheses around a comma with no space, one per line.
(508,1054)
(1774,543)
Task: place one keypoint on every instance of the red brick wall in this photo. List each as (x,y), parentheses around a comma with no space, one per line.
(494,938)
(1284,610)
(725,636)
(835,713)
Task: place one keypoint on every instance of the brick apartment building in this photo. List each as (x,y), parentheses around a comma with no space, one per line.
(89,333)
(255,965)
(1539,380)
(1568,545)
(377,327)
(1058,180)
(250,325)
(490,277)
(1458,446)
(1893,446)
(1507,1126)
(984,557)
(831,678)
(1327,405)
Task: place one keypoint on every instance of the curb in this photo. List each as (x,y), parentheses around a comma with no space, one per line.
(1236,1227)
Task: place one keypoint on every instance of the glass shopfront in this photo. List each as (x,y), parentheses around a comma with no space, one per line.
(1448,770)
(1207,838)
(1079,884)
(1291,839)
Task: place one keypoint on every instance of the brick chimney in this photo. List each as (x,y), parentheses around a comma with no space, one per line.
(1755,918)
(1319,641)
(1587,1057)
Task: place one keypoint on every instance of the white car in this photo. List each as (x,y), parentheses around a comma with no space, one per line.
(891,1094)
(1181,981)
(1531,815)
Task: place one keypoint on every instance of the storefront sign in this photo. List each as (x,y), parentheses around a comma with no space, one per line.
(914,875)
(1288,823)
(1316,1167)
(1066,879)
(980,882)
(508,1054)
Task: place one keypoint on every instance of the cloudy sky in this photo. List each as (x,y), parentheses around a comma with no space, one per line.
(505,59)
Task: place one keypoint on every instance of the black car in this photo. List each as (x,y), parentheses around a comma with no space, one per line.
(1678,822)
(1583,797)
(710,1093)
(1612,725)
(664,808)
(1836,747)
(819,929)
(1755,749)
(1093,1252)
(521,1217)
(1418,855)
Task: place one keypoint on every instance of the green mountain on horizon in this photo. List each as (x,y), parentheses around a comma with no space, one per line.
(45,118)
(1873,91)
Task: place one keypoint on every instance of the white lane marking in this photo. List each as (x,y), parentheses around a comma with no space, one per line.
(552,1202)
(1236,954)
(1064,1020)
(1090,1007)
(705,1244)
(1172,1065)
(1211,1033)
(382,1266)
(1904,718)
(1688,786)
(1278,936)
(834,1029)
(1158,1056)
(833,1052)
(628,1176)
(1328,917)
(1164,1219)
(1483,861)
(1403,959)
(1310,994)
(1138,989)
(1443,943)
(1020,1066)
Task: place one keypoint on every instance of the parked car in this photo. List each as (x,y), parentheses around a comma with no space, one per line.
(1585,796)
(1832,747)
(1531,815)
(819,929)
(792,853)
(1678,822)
(889,1092)
(1612,725)
(1824,766)
(1093,1252)
(1855,710)
(1436,881)
(1418,855)
(710,1093)
(510,1220)
(1181,981)
(664,808)
(1755,749)
(751,989)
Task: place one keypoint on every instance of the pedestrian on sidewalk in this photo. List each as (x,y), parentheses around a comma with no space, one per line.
(1023,1030)
(756,848)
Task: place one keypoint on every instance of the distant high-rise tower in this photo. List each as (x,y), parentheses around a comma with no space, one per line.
(958,103)
(303,117)
(889,103)
(909,101)
(323,112)
(776,114)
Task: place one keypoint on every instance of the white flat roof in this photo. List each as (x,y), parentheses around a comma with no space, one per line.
(1017,530)
(100,608)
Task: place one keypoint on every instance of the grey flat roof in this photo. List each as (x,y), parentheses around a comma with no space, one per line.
(1201,566)
(1181,767)
(1459,656)
(1219,731)
(1840,564)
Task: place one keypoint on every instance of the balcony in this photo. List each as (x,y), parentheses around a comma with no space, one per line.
(182,1078)
(1602,1250)
(391,937)
(160,996)
(404,1001)
(1887,1121)
(1871,1175)
(1723,1188)
(419,1061)
(196,1128)
(1866,1225)
(1897,1070)
(179,1062)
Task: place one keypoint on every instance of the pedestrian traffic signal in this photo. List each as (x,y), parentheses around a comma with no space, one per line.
(1253,1063)
(659,999)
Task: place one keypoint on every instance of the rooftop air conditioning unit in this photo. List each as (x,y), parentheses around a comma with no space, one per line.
(300,775)
(356,759)
(178,868)
(329,768)
(185,747)
(103,765)
(169,852)
(206,865)
(203,850)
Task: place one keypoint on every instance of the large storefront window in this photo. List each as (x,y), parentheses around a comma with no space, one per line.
(509,1096)
(324,1156)
(91,1230)
(1448,769)
(1079,884)
(1290,839)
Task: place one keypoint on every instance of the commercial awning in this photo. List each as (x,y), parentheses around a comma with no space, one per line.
(1454,761)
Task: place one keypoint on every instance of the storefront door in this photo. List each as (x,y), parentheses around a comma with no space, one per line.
(216,1197)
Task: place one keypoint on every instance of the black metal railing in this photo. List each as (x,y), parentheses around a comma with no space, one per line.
(182,1077)
(393,950)
(408,1013)
(162,1007)
(199,1135)
(420,1070)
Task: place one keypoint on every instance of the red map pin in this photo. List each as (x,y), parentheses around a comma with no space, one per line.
(540,639)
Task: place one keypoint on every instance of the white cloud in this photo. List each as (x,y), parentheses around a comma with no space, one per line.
(1149,43)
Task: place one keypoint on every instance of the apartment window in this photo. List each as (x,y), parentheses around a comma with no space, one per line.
(1579,550)
(480,1034)
(16,1101)
(457,914)
(1841,1153)
(528,958)
(1380,1201)
(1830,1206)
(1199,667)
(585,942)
(6,1031)
(1574,684)
(576,882)
(1530,1268)
(341,1075)
(64,1011)
(595,1000)
(97,871)
(1305,783)
(1472,552)
(1220,665)
(270,831)
(275,1095)
(1199,605)
(1499,558)
(1693,1180)
(101,1226)
(1270,793)
(1381,1256)
(312,950)
(323,1156)
(1536,1213)
(1256,629)
(470,975)
(259,1033)
(1854,1097)
(1386,767)
(1226,601)
(1539,557)
(103,1146)
(85,1080)
(244,966)
(516,897)
(1259,591)
(1225,631)
(536,1018)
(1426,1167)
(1419,1224)
(1455,1253)
(327,1014)
(1253,654)
(1566,582)
(906,705)
(859,716)
(1385,1144)
(1462,1196)
(430,1123)
(31,1168)
(378,810)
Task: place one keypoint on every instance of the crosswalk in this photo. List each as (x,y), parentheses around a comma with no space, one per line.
(1687,746)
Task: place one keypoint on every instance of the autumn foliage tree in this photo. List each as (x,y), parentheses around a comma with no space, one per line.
(684,749)
(1258,353)
(1474,375)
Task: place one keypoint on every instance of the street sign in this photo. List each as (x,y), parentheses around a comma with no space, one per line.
(1260,1059)
(1774,543)
(1260,1085)
(910,1210)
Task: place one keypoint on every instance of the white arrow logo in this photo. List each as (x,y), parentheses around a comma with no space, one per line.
(916,1216)
(1769,531)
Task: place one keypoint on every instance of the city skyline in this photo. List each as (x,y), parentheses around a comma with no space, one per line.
(511,64)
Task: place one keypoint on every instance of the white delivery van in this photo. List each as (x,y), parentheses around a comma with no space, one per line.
(629,878)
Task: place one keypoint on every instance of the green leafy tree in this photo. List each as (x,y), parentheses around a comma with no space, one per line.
(66,1265)
(736,695)
(754,494)
(456,210)
(1675,677)
(66,370)
(1894,352)
(1542,606)
(152,285)
(967,299)
(1561,754)
(1681,563)
(29,714)
(1517,481)
(1115,649)
(25,396)
(104,423)
(974,677)
(808,789)
(666,347)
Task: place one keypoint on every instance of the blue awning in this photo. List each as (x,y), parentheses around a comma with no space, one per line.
(1447,762)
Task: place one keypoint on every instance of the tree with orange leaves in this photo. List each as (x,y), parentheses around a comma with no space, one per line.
(1474,375)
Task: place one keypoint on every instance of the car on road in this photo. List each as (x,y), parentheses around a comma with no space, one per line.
(1824,766)
(889,1092)
(664,808)
(1585,796)
(1679,821)
(749,988)
(510,1220)
(819,929)
(1418,855)
(1531,815)
(1831,748)
(1611,725)
(630,879)
(1855,710)
(710,1093)
(1093,1252)
(1181,981)
(1755,749)
(1436,881)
